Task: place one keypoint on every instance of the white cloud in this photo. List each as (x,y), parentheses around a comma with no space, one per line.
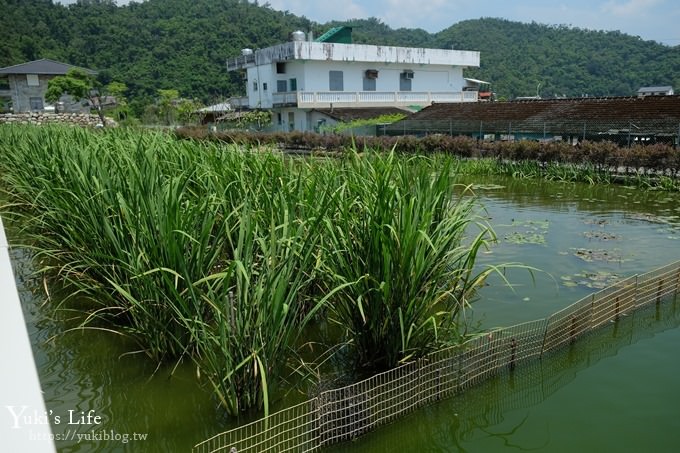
(413,14)
(629,8)
(321,12)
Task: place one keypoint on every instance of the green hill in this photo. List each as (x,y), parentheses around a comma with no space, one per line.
(183,44)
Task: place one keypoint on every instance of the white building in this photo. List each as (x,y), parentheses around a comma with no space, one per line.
(295,78)
(655,91)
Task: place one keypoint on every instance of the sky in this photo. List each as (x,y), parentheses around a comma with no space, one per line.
(656,20)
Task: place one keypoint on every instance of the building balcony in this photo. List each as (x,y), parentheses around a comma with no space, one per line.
(328,99)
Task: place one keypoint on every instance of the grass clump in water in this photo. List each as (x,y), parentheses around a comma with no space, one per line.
(222,256)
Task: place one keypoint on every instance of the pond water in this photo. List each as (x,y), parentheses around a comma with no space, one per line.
(599,395)
(614,391)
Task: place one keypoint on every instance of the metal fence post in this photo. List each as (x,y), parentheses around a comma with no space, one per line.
(545,335)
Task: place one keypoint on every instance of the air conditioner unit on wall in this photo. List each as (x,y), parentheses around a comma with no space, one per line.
(407,75)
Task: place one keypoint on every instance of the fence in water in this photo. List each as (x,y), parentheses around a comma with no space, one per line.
(348,412)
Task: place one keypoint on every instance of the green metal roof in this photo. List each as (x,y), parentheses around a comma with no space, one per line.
(340,34)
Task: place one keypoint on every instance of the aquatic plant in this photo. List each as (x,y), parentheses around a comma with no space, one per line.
(399,234)
(216,254)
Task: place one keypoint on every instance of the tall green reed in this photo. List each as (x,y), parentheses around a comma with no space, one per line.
(222,256)
(157,234)
(398,236)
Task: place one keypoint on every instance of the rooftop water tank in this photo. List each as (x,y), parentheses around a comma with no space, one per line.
(298,35)
(245,52)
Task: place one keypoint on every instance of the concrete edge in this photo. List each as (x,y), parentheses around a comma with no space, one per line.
(24,419)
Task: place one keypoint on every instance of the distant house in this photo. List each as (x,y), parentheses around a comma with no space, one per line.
(655,91)
(223,111)
(23,86)
(296,78)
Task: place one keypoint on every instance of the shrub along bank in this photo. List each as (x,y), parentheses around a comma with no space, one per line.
(604,157)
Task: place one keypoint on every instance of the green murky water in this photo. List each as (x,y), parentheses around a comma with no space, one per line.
(618,392)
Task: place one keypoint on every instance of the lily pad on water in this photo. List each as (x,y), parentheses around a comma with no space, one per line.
(593,280)
(600,235)
(590,255)
(525,238)
(600,222)
(533,232)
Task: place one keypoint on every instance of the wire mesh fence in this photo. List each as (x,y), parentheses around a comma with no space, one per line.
(345,413)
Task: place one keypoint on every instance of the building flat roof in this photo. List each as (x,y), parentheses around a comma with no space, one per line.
(655,89)
(43,66)
(329,51)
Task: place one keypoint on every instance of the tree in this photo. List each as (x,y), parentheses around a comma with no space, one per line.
(256,118)
(166,103)
(187,110)
(78,84)
(117,90)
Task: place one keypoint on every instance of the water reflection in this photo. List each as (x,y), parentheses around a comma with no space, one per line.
(90,373)
(556,196)
(496,413)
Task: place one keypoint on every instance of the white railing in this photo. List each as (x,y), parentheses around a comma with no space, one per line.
(285,98)
(326,99)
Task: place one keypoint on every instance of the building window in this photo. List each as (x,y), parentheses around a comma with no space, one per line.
(369,84)
(293,84)
(279,119)
(291,121)
(5,104)
(405,82)
(32,80)
(4,83)
(36,103)
(280,68)
(335,81)
(255,85)
(281,86)
(264,86)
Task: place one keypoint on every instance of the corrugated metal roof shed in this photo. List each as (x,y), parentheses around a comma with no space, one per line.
(577,116)
(628,108)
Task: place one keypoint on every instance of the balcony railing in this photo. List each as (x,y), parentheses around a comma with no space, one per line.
(326,99)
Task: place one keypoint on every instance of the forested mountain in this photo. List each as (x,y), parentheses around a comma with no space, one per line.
(183,44)
(565,61)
